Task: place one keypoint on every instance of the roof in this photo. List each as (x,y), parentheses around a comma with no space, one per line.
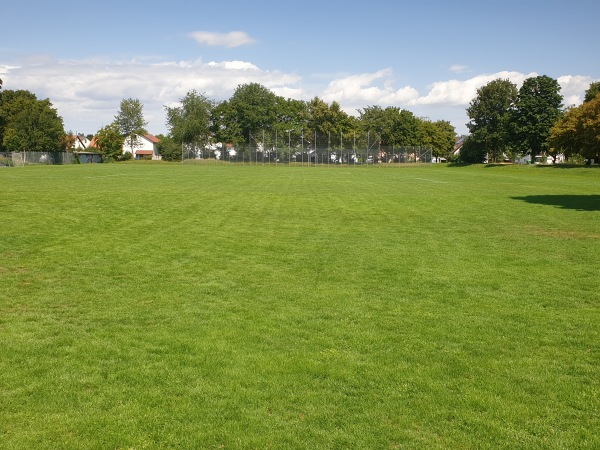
(152,138)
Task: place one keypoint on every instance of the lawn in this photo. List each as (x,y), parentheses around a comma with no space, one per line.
(163,305)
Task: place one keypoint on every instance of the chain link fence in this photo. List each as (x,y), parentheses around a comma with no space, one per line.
(318,149)
(17,159)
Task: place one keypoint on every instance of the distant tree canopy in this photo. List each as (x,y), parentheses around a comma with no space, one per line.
(531,121)
(590,94)
(503,120)
(537,108)
(191,122)
(109,141)
(130,121)
(578,131)
(169,149)
(29,124)
(490,113)
(253,109)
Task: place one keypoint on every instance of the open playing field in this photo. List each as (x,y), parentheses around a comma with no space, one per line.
(213,306)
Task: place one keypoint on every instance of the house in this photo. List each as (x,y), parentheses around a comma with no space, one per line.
(81,142)
(146,146)
(458,143)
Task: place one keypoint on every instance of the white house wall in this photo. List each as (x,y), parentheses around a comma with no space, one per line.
(142,143)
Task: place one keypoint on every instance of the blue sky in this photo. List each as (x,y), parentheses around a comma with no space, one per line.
(425,56)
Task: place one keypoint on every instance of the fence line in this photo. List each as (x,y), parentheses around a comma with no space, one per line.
(47,158)
(302,153)
(252,154)
(294,146)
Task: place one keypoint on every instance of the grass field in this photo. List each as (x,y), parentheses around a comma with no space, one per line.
(211,306)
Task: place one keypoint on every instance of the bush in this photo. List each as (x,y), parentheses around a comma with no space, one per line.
(6,161)
(169,150)
(472,152)
(124,157)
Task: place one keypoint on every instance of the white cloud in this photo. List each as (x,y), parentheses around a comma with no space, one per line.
(357,91)
(573,88)
(87,93)
(235,65)
(458,68)
(455,92)
(229,40)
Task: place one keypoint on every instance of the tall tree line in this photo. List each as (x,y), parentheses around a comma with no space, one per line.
(506,121)
(256,114)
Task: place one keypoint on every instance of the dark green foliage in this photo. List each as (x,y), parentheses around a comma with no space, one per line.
(440,136)
(395,126)
(489,115)
(251,108)
(110,141)
(537,109)
(473,151)
(592,92)
(29,124)
(169,149)
(125,157)
(190,123)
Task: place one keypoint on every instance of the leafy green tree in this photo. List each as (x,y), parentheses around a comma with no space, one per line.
(329,122)
(473,151)
(380,121)
(109,141)
(538,107)
(292,117)
(395,127)
(222,126)
(169,149)
(252,108)
(592,92)
(439,135)
(191,122)
(590,142)
(490,113)
(29,124)
(131,123)
(578,131)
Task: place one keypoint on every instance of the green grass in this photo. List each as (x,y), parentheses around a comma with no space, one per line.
(214,306)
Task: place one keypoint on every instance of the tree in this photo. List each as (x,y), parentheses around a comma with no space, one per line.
(29,124)
(169,149)
(489,114)
(131,123)
(109,141)
(292,115)
(440,136)
(592,92)
(473,151)
(590,140)
(537,109)
(329,122)
(191,122)
(395,127)
(251,108)
(578,131)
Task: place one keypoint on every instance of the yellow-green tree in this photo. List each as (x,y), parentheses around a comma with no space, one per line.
(578,131)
